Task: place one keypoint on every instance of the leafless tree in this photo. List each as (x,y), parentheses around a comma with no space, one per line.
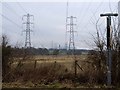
(98,56)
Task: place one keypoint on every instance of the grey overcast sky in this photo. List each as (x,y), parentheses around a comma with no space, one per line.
(50,21)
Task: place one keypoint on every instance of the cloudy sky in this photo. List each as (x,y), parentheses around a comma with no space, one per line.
(50,21)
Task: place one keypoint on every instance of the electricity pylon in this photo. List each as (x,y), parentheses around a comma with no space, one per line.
(27,29)
(72,43)
(71,33)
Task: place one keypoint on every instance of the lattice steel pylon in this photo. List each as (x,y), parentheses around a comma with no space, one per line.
(66,26)
(27,29)
(72,43)
(71,33)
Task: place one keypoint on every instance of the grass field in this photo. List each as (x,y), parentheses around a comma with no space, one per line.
(67,61)
(51,71)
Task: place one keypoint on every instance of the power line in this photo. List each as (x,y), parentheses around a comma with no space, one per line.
(9,8)
(94,14)
(10,20)
(21,7)
(85,11)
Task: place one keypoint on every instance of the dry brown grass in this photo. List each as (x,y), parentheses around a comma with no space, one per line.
(54,69)
(65,60)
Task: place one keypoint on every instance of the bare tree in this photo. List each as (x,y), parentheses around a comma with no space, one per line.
(98,56)
(6,52)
